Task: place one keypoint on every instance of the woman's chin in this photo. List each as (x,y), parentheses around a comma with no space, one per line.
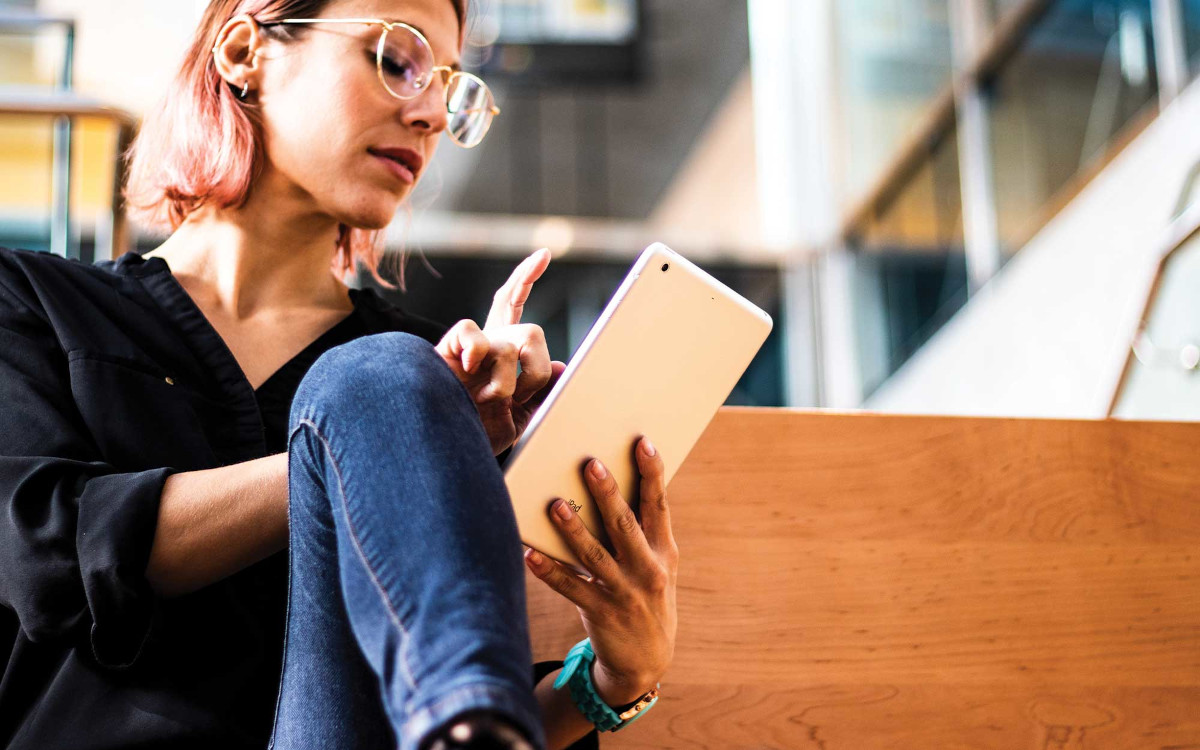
(372,218)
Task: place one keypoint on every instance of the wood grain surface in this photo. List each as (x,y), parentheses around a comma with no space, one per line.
(853,581)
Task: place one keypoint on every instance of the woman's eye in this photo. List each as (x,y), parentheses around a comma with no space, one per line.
(399,69)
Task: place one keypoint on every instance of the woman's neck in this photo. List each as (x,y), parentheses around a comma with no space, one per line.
(243,263)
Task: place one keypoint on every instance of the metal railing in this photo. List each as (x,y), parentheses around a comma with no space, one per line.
(1184,228)
(941,115)
(979,66)
(69,107)
(60,201)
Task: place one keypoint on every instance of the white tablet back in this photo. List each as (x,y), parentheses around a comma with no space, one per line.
(661,359)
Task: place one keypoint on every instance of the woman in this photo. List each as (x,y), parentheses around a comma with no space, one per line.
(171,424)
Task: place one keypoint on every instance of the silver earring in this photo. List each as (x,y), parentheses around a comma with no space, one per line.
(245,90)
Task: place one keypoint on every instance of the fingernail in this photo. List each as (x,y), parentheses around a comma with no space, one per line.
(563,510)
(648,447)
(534,557)
(598,470)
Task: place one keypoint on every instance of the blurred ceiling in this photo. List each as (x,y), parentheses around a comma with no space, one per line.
(606,151)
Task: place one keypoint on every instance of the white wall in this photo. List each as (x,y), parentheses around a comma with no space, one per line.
(1048,335)
(126,50)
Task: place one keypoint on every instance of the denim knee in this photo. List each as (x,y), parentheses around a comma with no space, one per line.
(394,371)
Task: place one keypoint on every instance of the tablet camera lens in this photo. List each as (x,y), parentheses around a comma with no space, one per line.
(665,267)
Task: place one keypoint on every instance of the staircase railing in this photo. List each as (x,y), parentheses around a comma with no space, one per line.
(1144,349)
(71,107)
(60,201)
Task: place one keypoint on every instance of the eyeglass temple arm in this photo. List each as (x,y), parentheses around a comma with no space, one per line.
(495,110)
(370,21)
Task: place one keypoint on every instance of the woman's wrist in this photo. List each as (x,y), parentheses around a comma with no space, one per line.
(618,690)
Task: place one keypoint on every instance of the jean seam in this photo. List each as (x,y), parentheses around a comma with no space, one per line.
(387,602)
(494,694)
(473,687)
(286,622)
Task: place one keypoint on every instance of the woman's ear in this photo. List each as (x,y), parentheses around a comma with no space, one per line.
(237,53)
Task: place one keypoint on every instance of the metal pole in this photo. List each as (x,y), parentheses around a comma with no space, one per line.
(841,381)
(1170,54)
(792,57)
(119,240)
(801,331)
(976,178)
(60,207)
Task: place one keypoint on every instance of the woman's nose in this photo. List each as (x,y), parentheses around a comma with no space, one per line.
(427,111)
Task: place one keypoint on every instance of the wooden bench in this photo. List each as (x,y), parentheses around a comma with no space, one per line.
(855,581)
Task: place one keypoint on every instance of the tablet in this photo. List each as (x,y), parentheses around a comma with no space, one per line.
(659,361)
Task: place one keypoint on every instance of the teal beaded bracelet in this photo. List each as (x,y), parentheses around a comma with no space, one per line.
(576,675)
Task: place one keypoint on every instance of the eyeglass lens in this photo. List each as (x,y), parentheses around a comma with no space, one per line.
(404,61)
(469,103)
(406,64)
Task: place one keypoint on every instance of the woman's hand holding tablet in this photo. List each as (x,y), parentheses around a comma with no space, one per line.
(628,603)
(660,360)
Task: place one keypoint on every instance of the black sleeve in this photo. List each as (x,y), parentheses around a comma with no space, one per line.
(591,741)
(75,535)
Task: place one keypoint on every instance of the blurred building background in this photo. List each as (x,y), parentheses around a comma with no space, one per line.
(948,206)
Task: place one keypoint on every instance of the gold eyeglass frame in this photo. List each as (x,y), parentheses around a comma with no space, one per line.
(448,73)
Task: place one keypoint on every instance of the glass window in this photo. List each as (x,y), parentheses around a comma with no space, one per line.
(924,213)
(894,56)
(1084,74)
(31,61)
(901,300)
(1191,31)
(16,58)
(910,266)
(1164,378)
(27,162)
(31,57)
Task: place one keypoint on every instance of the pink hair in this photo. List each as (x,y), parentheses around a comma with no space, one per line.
(203,146)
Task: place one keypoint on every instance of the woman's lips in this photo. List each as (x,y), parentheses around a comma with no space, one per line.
(403,173)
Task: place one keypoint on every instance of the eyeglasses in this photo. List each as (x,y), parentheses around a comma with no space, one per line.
(404,63)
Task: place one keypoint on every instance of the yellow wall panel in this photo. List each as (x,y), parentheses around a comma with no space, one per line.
(26,159)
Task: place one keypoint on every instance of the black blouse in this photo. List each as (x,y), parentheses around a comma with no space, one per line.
(111,379)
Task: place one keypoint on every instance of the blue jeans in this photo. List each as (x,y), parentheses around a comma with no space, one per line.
(406,600)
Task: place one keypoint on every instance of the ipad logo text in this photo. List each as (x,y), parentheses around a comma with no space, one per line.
(574,505)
